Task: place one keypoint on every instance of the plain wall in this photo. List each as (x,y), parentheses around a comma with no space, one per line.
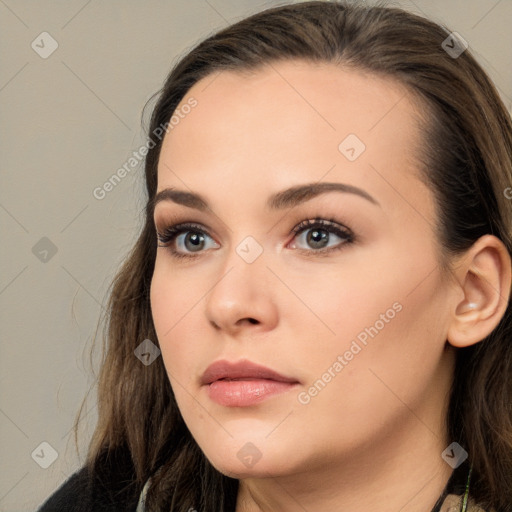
(68,122)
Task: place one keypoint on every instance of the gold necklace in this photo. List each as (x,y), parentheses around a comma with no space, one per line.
(466,493)
(465,498)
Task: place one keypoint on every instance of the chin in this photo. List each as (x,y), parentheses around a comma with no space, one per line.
(236,469)
(249,456)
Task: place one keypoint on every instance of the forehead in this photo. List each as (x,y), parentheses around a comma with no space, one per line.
(334,97)
(291,122)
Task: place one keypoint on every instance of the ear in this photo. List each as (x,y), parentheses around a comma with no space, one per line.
(483,277)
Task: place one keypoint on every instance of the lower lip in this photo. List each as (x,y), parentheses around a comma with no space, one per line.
(242,393)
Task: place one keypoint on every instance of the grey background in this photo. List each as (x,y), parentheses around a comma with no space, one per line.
(68,123)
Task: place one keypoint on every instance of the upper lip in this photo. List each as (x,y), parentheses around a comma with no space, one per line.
(242,369)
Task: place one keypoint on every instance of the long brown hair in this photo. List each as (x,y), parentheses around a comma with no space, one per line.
(467,162)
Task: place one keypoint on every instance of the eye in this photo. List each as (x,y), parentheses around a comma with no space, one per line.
(317,234)
(189,240)
(183,240)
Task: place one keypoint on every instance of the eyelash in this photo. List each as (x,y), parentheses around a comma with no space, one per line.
(170,233)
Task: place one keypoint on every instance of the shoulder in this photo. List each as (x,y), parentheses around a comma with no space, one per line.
(83,492)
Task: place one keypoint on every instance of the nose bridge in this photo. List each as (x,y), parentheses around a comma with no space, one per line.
(242,289)
(244,266)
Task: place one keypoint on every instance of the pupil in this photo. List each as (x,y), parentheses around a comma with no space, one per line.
(195,239)
(318,237)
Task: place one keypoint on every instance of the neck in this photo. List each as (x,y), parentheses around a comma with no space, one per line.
(402,471)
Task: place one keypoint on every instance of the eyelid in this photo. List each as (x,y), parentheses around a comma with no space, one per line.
(323,222)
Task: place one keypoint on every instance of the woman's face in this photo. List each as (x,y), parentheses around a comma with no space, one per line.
(352,310)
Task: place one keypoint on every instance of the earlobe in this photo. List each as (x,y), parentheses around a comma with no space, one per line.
(484,277)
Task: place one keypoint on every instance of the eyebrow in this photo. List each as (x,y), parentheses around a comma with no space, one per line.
(279,201)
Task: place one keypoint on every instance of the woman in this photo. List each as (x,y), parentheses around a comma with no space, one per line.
(325,267)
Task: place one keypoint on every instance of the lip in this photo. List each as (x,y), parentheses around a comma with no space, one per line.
(241,370)
(243,383)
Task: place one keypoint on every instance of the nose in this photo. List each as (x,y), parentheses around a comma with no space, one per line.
(243,296)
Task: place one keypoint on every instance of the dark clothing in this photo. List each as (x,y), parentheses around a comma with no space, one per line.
(80,494)
(110,489)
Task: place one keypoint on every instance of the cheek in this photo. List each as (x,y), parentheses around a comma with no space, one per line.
(385,317)
(386,353)
(172,313)
(342,302)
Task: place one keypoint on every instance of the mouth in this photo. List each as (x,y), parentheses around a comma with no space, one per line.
(244,383)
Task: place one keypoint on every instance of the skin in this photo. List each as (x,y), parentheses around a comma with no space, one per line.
(372,438)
